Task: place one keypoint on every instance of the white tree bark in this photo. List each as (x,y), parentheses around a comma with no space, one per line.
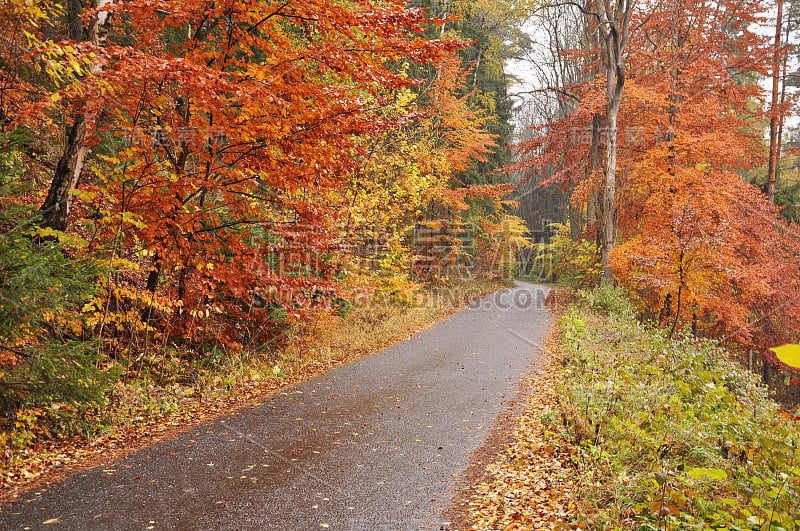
(56,207)
(614,31)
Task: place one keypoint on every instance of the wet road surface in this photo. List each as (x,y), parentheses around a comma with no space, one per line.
(375,444)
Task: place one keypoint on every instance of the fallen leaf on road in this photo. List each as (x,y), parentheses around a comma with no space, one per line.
(529,485)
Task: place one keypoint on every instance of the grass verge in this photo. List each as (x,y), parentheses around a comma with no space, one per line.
(650,433)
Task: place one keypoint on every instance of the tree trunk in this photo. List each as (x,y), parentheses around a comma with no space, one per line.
(595,153)
(154,275)
(477,66)
(614,42)
(607,226)
(445,12)
(56,207)
(782,116)
(773,120)
(74,21)
(594,165)
(766,373)
(575,219)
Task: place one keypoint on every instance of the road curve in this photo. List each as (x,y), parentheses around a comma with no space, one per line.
(374,444)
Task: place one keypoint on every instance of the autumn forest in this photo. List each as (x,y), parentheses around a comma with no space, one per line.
(185,182)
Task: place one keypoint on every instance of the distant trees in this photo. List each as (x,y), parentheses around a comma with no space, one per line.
(696,242)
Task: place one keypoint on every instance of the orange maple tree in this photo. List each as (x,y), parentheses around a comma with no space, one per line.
(223,129)
(697,244)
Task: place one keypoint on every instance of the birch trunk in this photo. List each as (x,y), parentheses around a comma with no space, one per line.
(614,32)
(56,208)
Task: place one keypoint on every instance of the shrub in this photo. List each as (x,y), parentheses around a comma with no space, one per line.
(45,363)
(670,433)
(607,298)
(571,263)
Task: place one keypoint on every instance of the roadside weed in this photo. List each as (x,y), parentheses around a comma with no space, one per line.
(670,433)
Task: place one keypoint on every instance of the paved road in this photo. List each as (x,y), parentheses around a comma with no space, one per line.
(374,444)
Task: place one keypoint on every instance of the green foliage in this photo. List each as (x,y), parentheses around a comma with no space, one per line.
(61,377)
(787,186)
(571,263)
(41,286)
(44,363)
(608,298)
(787,196)
(11,166)
(671,434)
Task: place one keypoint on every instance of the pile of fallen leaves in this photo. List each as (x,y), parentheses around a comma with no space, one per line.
(533,481)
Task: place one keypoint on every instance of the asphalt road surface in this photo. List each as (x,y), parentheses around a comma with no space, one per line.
(375,444)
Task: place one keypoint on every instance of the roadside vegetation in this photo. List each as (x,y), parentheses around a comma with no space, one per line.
(648,432)
(676,364)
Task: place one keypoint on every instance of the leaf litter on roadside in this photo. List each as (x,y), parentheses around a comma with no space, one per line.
(532,482)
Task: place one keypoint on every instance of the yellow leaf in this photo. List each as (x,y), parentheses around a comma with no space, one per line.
(706,473)
(788,354)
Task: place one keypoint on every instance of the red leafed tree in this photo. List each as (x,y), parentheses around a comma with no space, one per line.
(696,242)
(701,243)
(221,125)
